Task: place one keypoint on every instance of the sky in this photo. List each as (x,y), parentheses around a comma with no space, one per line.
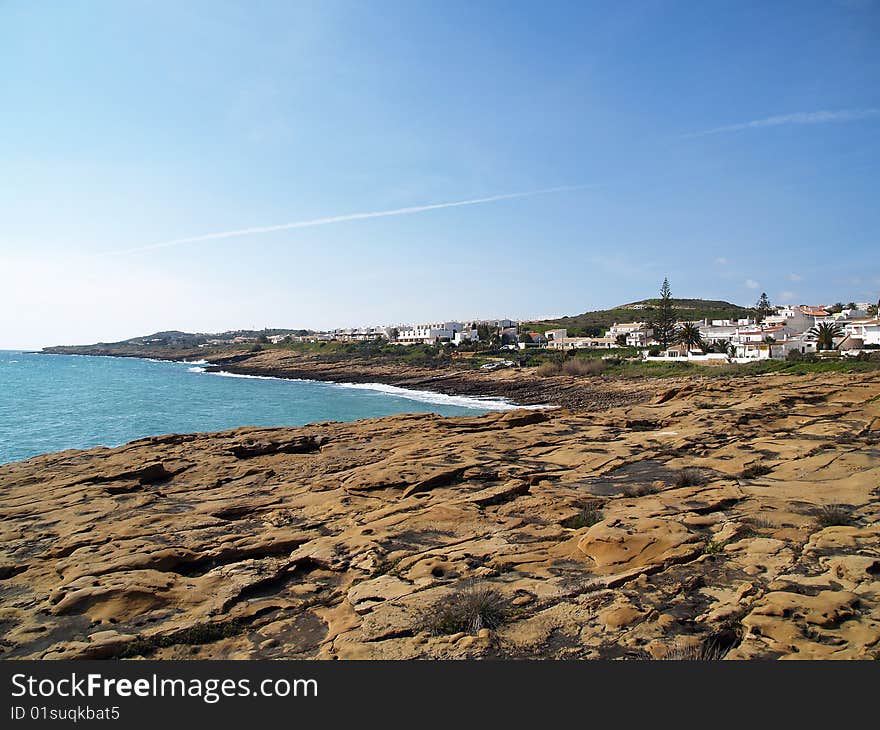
(208,166)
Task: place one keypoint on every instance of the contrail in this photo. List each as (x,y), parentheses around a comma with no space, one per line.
(340,219)
(820,117)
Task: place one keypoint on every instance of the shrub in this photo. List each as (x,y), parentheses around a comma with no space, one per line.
(755,470)
(468,609)
(548,369)
(589,515)
(691,477)
(583,367)
(796,356)
(832,515)
(705,651)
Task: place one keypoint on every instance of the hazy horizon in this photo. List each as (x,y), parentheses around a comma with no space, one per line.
(213,166)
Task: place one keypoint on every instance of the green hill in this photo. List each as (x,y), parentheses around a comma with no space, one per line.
(595,323)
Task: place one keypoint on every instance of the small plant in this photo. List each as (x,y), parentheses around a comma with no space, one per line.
(690,477)
(705,651)
(713,547)
(589,515)
(833,515)
(755,470)
(760,522)
(468,609)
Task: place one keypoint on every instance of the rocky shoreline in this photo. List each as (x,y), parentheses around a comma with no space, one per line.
(731,518)
(519,386)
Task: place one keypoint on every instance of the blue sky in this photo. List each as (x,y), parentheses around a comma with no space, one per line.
(690,137)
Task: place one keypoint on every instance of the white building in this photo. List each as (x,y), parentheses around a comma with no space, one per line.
(867,330)
(430,333)
(358,334)
(465,335)
(815,314)
(581,343)
(792,317)
(637,334)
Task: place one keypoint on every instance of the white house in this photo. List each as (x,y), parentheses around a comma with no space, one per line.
(793,318)
(717,331)
(637,334)
(760,334)
(465,335)
(867,330)
(582,343)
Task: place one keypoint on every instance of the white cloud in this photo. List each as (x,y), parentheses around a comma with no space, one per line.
(795,277)
(819,117)
(751,284)
(721,261)
(786,297)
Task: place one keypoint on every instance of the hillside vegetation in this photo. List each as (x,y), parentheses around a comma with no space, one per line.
(593,323)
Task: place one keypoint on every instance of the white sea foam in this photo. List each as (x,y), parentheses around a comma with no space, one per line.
(427,396)
(196,362)
(224,374)
(482,403)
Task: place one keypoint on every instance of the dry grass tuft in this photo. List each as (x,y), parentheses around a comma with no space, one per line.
(468,609)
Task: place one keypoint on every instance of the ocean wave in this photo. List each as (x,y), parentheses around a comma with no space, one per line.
(224,374)
(196,362)
(482,403)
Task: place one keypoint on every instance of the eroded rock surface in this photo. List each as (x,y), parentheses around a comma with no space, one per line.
(684,526)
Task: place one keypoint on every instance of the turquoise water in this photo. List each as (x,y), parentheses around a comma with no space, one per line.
(54,402)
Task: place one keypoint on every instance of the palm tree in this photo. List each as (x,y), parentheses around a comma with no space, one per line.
(689,335)
(770,340)
(825,332)
(719,346)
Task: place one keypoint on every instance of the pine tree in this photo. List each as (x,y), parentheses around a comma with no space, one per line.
(762,308)
(664,320)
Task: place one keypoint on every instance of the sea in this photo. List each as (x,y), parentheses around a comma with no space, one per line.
(54,402)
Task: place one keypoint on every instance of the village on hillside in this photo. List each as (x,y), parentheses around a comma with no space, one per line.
(768,332)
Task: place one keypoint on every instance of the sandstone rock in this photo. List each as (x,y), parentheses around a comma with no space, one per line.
(640,542)
(343,540)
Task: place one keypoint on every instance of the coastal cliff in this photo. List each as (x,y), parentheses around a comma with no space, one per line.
(735,518)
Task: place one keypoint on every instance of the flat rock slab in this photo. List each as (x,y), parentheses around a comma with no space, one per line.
(559,534)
